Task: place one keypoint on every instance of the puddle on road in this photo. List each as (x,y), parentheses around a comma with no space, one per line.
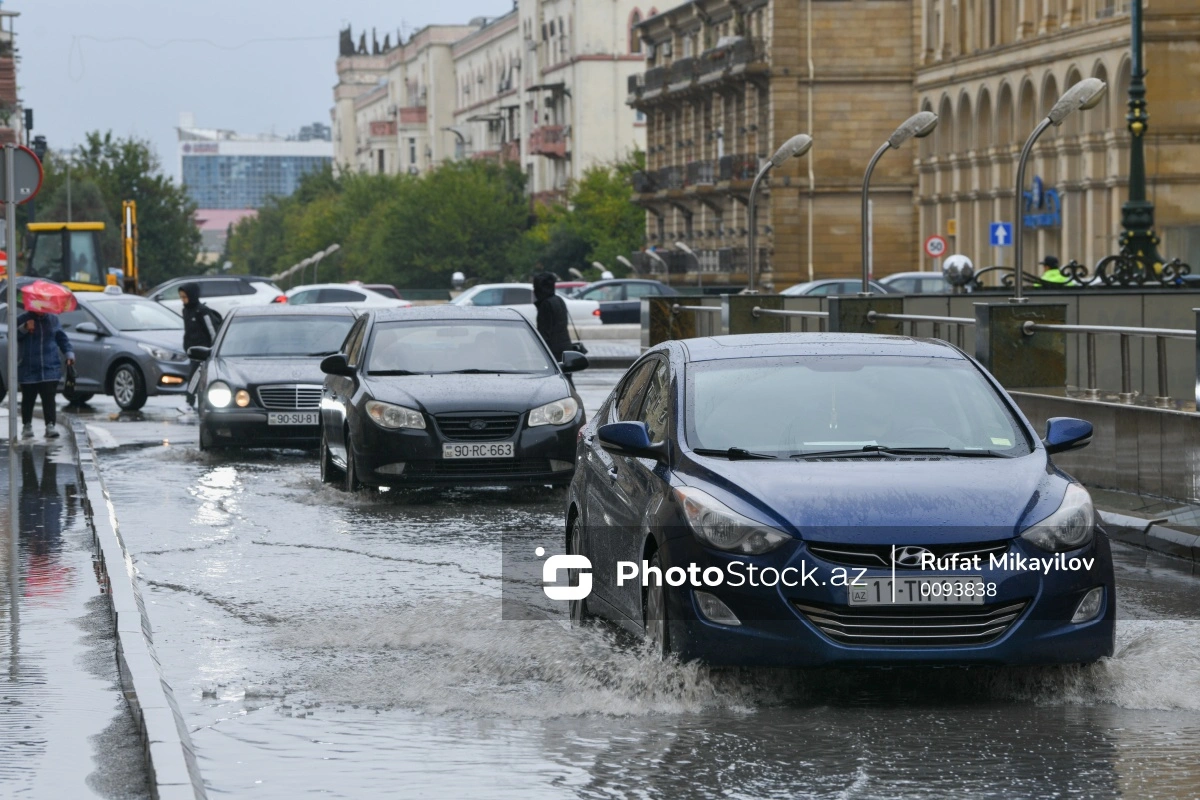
(353,647)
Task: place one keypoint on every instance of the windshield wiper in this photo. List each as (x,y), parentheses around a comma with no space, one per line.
(733,454)
(476,371)
(322,353)
(394,373)
(883,450)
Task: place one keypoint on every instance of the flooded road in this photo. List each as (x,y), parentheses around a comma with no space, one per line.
(353,647)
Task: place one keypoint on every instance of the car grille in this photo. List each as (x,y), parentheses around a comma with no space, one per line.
(914,626)
(483,466)
(290,397)
(880,555)
(481,427)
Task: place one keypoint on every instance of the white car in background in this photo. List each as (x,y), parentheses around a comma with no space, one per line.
(341,294)
(221,293)
(519,296)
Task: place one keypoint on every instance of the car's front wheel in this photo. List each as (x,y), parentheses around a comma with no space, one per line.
(129,387)
(329,472)
(657,627)
(579,609)
(350,480)
(206,438)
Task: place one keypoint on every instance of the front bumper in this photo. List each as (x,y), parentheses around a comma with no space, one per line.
(776,632)
(541,455)
(166,377)
(247,427)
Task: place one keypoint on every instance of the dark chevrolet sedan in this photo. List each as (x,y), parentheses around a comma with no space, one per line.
(448,395)
(260,383)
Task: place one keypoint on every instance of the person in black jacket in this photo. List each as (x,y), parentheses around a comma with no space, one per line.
(200,325)
(551,314)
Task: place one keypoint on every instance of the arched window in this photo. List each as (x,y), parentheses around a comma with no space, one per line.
(635,41)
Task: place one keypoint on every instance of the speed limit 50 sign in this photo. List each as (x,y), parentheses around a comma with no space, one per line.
(935,246)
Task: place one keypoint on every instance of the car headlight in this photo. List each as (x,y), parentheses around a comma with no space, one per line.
(219,394)
(162,353)
(1069,528)
(719,526)
(390,416)
(559,412)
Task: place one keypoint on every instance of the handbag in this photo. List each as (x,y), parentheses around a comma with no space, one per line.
(577,345)
(69,381)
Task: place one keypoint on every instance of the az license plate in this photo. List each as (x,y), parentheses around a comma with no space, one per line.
(293,418)
(488,450)
(957,590)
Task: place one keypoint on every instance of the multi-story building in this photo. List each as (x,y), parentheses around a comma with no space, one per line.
(727,82)
(12,129)
(224,170)
(991,70)
(542,86)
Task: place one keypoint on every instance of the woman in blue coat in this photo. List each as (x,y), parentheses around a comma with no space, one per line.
(40,337)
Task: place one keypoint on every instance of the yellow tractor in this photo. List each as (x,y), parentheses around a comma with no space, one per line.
(69,253)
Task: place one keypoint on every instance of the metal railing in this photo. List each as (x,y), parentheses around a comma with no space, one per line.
(1160,335)
(678,309)
(804,316)
(959,324)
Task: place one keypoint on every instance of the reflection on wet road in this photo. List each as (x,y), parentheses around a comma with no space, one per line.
(65,729)
(336,646)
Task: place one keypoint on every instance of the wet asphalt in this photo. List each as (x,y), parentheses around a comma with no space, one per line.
(323,645)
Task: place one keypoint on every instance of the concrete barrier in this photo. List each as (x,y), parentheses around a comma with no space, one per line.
(173,772)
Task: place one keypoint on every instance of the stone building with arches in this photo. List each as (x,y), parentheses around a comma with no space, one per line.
(849,71)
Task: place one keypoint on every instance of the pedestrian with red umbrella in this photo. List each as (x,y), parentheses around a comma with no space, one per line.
(40,338)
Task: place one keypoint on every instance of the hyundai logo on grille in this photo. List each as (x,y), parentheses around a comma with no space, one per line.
(910,557)
(478,424)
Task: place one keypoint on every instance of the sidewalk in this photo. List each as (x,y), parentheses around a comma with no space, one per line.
(65,727)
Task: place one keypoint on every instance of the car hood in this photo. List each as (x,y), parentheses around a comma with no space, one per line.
(266,371)
(891,500)
(439,394)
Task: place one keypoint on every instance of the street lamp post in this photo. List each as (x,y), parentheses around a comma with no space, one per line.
(919,125)
(625,262)
(659,259)
(684,248)
(1080,97)
(1137,213)
(794,147)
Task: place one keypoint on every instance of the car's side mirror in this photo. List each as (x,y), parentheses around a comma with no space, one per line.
(337,364)
(196,353)
(630,439)
(89,329)
(1066,433)
(573,361)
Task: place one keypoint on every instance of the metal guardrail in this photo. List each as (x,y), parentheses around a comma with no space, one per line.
(675,309)
(938,322)
(1160,336)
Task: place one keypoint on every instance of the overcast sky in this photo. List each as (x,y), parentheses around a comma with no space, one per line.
(111,64)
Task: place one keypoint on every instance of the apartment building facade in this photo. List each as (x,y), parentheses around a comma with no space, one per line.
(542,86)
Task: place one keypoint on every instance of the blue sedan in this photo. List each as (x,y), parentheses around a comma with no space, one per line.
(835,499)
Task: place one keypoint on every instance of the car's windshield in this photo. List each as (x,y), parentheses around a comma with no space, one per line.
(433,347)
(284,336)
(811,404)
(136,315)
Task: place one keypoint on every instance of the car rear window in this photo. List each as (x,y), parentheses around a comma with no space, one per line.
(435,347)
(810,404)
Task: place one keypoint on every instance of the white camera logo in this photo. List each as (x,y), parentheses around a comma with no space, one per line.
(550,572)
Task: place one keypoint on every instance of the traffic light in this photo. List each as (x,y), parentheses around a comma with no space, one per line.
(29,119)
(40,147)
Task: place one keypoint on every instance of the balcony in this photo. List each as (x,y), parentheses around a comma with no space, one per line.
(635,87)
(681,74)
(383,128)
(511,151)
(737,168)
(549,141)
(643,183)
(670,178)
(414,115)
(701,173)
(654,81)
(734,58)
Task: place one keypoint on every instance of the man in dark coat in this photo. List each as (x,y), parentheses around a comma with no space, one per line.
(552,319)
(200,325)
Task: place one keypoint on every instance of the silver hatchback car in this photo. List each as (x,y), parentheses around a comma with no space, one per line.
(125,346)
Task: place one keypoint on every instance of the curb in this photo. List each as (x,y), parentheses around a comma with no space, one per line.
(1151,535)
(173,772)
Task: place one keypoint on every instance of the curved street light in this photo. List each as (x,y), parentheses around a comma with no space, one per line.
(917,126)
(625,262)
(683,248)
(1080,97)
(794,147)
(659,259)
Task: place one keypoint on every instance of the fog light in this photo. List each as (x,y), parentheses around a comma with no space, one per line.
(1089,606)
(715,610)
(392,469)
(170,380)
(242,398)
(561,466)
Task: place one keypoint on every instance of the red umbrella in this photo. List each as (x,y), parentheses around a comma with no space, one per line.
(48,297)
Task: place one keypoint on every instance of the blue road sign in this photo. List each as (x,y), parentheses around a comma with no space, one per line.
(1002,234)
